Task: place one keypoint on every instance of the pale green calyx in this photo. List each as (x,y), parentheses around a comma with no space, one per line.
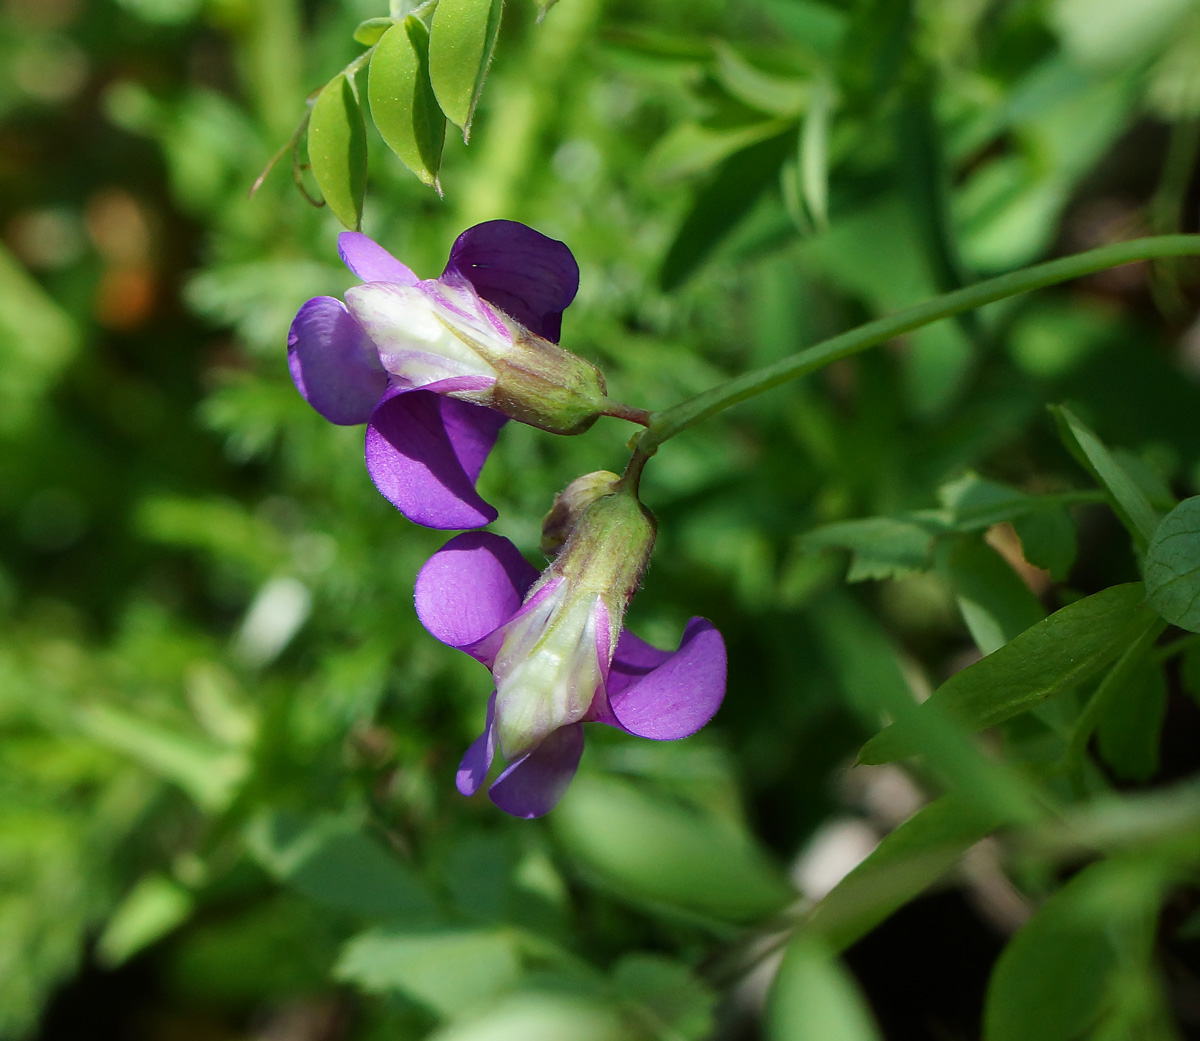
(539,383)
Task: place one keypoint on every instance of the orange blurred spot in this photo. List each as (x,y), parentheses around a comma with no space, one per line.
(124,297)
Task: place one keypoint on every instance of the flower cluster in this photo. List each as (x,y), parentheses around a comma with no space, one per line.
(435,368)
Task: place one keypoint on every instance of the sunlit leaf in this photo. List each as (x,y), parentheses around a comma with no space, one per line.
(403,105)
(449,972)
(370,31)
(337,149)
(814,999)
(814,154)
(541,1016)
(765,91)
(210,774)
(335,864)
(652,848)
(461,41)
(151,910)
(1057,654)
(1172,566)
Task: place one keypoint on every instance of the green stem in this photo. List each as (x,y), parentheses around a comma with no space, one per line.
(666,424)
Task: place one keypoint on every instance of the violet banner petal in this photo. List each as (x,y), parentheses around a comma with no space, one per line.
(473,769)
(333,362)
(532,785)
(677,697)
(528,275)
(424,453)
(470,587)
(370,261)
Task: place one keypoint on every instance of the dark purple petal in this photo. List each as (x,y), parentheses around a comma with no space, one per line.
(532,785)
(333,363)
(424,453)
(478,759)
(470,587)
(370,261)
(665,696)
(526,274)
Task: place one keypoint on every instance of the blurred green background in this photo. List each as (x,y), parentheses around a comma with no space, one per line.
(226,745)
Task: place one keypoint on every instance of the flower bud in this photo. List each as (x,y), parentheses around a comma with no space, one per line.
(557,649)
(569,505)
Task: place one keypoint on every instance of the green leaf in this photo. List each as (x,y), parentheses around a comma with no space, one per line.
(1172,566)
(995,603)
(1057,654)
(541,1016)
(974,502)
(874,49)
(1048,540)
(667,994)
(813,162)
(881,547)
(1128,732)
(1129,500)
(370,31)
(448,972)
(461,42)
(689,149)
(333,863)
(868,667)
(784,96)
(651,848)
(403,105)
(208,773)
(906,863)
(1054,978)
(337,149)
(814,999)
(151,910)
(718,207)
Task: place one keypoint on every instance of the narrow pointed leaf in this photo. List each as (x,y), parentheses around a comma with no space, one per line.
(1057,654)
(403,105)
(337,149)
(906,863)
(461,42)
(1130,501)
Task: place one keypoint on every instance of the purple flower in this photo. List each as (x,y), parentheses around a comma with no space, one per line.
(559,658)
(434,367)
